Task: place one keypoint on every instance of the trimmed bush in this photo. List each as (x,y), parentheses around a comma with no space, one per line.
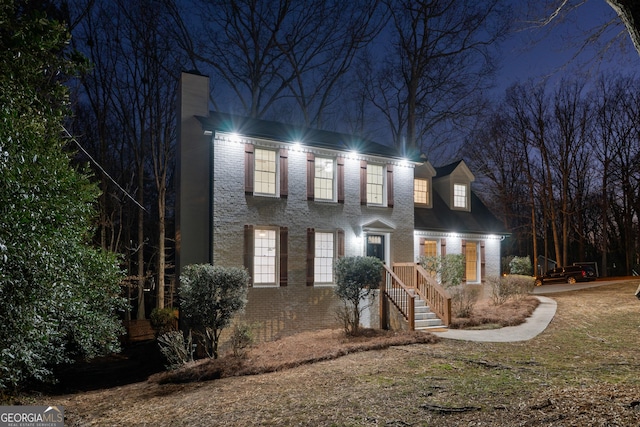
(356,278)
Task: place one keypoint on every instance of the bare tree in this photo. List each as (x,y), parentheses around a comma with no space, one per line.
(265,55)
(442,51)
(132,92)
(629,13)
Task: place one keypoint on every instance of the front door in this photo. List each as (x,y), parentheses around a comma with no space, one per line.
(375,246)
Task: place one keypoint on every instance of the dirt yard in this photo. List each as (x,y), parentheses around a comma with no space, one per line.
(581,371)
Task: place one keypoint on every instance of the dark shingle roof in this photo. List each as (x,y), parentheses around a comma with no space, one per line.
(440,218)
(447,169)
(259,128)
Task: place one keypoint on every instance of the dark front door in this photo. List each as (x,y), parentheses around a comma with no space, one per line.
(375,246)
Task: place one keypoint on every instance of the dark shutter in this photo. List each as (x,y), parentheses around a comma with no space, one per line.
(390,186)
(284,256)
(248,168)
(311,249)
(422,240)
(311,175)
(363,182)
(464,258)
(443,247)
(249,250)
(284,173)
(482,264)
(340,163)
(340,237)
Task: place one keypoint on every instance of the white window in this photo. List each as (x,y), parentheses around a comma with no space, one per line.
(430,248)
(324,178)
(265,257)
(323,259)
(459,196)
(421,191)
(265,172)
(375,184)
(471,258)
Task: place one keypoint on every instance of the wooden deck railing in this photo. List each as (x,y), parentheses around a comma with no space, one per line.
(400,295)
(413,276)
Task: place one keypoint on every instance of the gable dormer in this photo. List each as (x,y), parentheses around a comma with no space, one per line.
(453,184)
(423,185)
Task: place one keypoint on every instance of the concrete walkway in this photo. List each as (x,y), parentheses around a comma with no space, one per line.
(533,326)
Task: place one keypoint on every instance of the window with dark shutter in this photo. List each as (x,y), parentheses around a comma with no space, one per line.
(248,250)
(248,168)
(482,263)
(284,256)
(390,186)
(284,173)
(363,182)
(340,163)
(340,237)
(311,174)
(464,253)
(311,247)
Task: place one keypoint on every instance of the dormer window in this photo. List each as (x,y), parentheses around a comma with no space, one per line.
(460,196)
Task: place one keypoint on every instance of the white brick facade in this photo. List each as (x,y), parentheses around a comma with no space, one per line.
(216,211)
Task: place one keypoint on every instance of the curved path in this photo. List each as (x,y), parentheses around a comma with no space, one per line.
(533,326)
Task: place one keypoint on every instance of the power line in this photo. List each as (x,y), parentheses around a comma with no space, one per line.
(102,169)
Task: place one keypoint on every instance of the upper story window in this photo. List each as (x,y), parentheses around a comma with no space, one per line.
(460,196)
(421,191)
(324,178)
(375,184)
(265,171)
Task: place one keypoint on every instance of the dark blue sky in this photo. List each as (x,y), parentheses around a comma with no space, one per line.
(550,51)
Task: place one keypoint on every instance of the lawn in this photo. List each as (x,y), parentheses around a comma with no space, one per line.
(581,371)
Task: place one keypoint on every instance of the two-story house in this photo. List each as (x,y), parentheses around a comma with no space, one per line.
(285,202)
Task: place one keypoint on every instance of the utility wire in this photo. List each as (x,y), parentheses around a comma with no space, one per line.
(102,169)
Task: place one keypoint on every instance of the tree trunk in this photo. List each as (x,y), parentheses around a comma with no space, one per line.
(629,13)
(141,310)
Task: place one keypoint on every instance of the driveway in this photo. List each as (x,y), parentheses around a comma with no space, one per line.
(564,287)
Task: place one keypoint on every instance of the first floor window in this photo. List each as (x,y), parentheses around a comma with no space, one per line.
(430,248)
(323,260)
(265,256)
(471,257)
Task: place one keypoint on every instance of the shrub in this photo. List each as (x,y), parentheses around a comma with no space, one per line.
(175,348)
(209,298)
(520,265)
(449,269)
(242,338)
(463,298)
(509,287)
(356,278)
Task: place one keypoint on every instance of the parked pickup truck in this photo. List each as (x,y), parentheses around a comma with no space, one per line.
(570,274)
